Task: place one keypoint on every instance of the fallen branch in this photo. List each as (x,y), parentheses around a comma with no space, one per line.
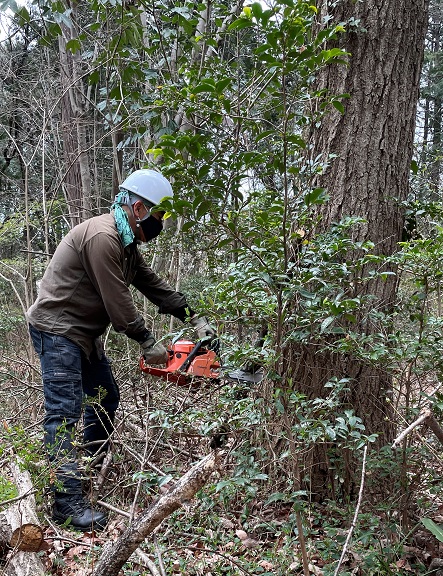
(426,417)
(148,562)
(116,554)
(7,503)
(113,508)
(159,556)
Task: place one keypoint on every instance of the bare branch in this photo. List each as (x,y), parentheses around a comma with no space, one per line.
(357,510)
(423,416)
(115,555)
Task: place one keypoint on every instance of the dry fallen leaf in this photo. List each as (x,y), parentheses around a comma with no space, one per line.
(76,551)
(227,523)
(246,540)
(315,570)
(164,488)
(250,543)
(404,564)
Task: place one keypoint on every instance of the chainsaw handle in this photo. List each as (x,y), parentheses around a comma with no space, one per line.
(192,354)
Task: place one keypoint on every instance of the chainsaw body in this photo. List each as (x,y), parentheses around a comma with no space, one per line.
(187,362)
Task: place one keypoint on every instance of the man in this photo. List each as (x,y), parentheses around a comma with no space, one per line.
(85,288)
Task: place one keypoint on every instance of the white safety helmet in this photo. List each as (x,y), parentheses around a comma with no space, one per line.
(149,185)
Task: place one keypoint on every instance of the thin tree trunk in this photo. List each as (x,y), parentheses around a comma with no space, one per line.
(117,165)
(77,177)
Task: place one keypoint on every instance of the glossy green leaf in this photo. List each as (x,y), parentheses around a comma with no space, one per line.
(73,45)
(338,106)
(316,196)
(188,225)
(435,529)
(240,24)
(203,87)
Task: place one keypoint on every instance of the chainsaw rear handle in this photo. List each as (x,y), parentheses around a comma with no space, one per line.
(192,354)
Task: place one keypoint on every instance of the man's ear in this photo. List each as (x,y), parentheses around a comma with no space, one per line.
(136,208)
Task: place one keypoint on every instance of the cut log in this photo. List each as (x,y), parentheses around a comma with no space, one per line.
(20,532)
(115,555)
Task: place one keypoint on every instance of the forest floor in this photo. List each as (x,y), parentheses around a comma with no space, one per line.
(242,522)
(196,542)
(70,553)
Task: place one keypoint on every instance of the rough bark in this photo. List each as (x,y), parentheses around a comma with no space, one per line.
(372,143)
(115,556)
(117,165)
(20,531)
(77,179)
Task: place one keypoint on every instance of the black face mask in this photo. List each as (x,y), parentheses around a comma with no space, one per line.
(151,227)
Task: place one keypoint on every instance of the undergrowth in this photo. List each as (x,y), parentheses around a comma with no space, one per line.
(244,521)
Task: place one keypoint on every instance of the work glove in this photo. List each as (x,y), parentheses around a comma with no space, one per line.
(206,332)
(154,353)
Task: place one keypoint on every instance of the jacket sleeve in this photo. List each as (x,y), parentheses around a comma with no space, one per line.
(168,300)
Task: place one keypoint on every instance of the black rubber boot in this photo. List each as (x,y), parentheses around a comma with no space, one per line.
(75,509)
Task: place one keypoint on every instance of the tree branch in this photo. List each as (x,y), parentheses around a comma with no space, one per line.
(115,555)
(357,510)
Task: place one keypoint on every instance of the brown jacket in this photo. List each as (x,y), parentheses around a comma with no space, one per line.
(86,286)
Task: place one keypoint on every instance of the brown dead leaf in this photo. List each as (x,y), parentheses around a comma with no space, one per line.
(76,551)
(403,564)
(58,545)
(199,545)
(227,524)
(91,538)
(164,488)
(315,570)
(266,565)
(247,542)
(250,543)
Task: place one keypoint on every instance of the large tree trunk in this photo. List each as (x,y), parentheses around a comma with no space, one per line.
(372,143)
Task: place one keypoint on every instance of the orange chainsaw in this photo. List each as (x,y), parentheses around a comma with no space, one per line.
(189,363)
(186,362)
